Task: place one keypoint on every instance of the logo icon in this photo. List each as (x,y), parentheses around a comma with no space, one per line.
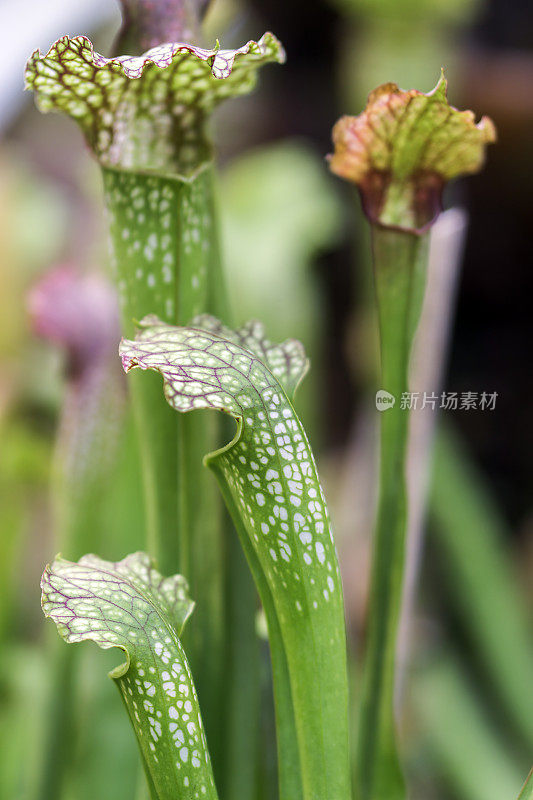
(384,400)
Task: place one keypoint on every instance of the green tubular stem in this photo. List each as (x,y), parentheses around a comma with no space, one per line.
(242,655)
(290,784)
(311,715)
(244,579)
(163,244)
(164,237)
(146,788)
(242,674)
(287,524)
(164,252)
(400,261)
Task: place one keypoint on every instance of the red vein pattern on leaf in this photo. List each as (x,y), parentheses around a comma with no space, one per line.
(269,466)
(269,479)
(145,111)
(392,134)
(128,604)
(402,149)
(112,587)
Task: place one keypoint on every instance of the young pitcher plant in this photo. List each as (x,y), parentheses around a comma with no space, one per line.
(400,152)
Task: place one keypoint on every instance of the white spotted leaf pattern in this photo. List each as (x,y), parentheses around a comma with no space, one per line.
(269,480)
(129,605)
(146,112)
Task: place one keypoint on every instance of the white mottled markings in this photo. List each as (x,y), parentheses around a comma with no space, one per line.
(269,470)
(269,467)
(145,112)
(129,605)
(167,272)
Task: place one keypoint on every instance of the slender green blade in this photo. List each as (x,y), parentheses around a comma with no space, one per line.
(463,744)
(129,605)
(527,789)
(269,472)
(470,536)
(289,770)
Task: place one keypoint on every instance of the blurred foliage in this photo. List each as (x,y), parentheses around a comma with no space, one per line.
(411,11)
(482,588)
(460,739)
(281,209)
(24,472)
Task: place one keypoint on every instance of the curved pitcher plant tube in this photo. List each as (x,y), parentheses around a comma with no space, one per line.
(145,120)
(269,481)
(399,152)
(129,605)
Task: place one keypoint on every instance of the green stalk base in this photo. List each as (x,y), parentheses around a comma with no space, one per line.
(400,261)
(164,252)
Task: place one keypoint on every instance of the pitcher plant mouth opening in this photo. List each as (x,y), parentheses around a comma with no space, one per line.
(403,149)
(146,113)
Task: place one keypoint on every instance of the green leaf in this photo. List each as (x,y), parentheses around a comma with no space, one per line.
(527,789)
(471,538)
(163,243)
(466,747)
(403,148)
(148,111)
(268,477)
(129,605)
(145,120)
